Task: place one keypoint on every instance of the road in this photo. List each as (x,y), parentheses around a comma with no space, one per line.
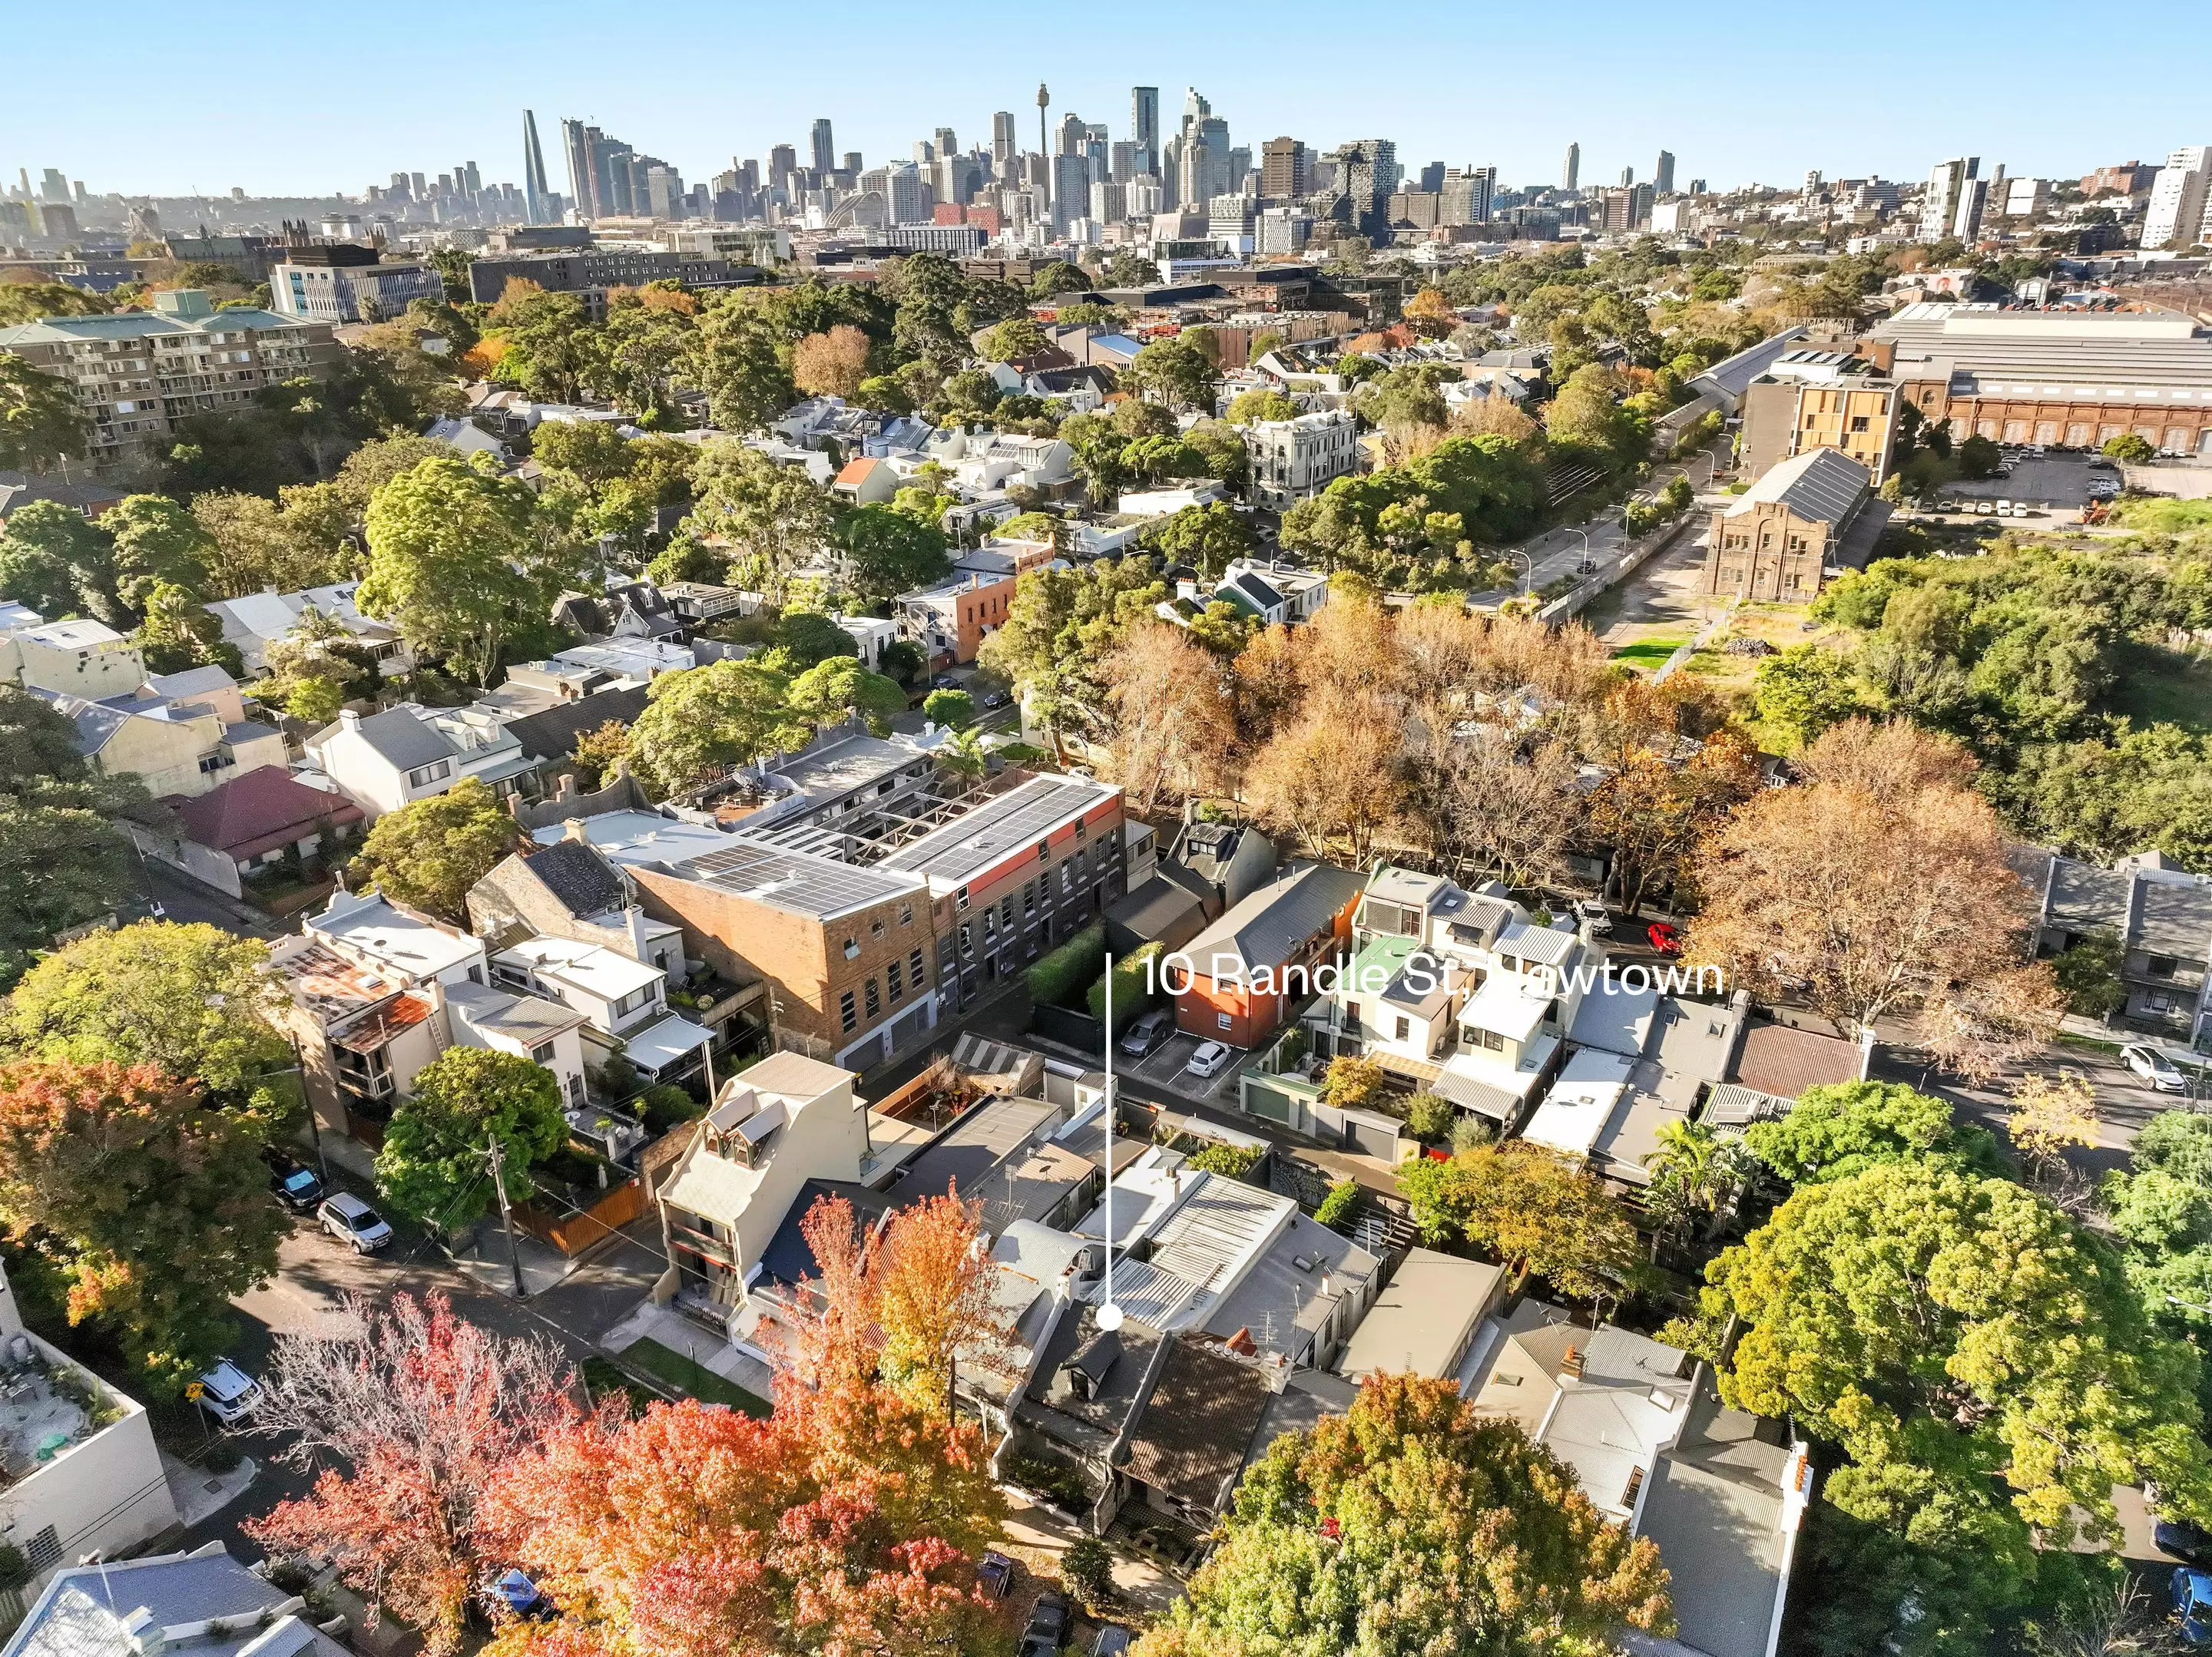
(1557,553)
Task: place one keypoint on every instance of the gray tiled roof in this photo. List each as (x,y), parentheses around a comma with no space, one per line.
(404,740)
(585,882)
(1268,927)
(82,1610)
(2173,919)
(1823,486)
(2086,899)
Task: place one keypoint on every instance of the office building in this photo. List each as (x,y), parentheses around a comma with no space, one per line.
(137,374)
(1466,195)
(1662,173)
(1286,169)
(1570,177)
(1004,144)
(2176,211)
(1367,176)
(1071,189)
(1281,230)
(534,188)
(946,143)
(1145,120)
(823,147)
(782,163)
(1815,398)
(591,272)
(1432,178)
(1627,178)
(340,283)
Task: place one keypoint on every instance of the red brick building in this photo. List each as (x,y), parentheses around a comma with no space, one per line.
(1235,989)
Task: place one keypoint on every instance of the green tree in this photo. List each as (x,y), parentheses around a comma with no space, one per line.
(58,564)
(1839,1129)
(702,721)
(1058,277)
(2089,975)
(428,853)
(1587,416)
(888,552)
(805,637)
(41,419)
(547,344)
(63,858)
(1015,340)
(180,632)
(1978,456)
(254,543)
(1961,1344)
(1208,538)
(35,301)
(2127,446)
(1263,402)
(1354,1083)
(953,710)
(771,518)
(1088,1570)
(1174,372)
(1804,689)
(838,687)
(902,659)
(457,558)
(1414,1527)
(1531,1207)
(154,1210)
(154,539)
(191,1000)
(434,1166)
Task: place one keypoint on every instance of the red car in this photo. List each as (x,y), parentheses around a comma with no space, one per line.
(1665,937)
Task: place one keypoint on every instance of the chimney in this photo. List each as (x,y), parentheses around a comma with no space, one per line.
(1881,353)
(348,719)
(1572,1364)
(634,924)
(572,828)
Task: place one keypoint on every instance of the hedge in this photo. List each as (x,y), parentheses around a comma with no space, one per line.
(1055,981)
(1134,989)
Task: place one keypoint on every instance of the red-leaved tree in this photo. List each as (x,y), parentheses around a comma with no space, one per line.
(846,1524)
(420,1409)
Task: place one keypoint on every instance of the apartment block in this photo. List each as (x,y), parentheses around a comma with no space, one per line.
(1821,400)
(137,374)
(341,282)
(1293,458)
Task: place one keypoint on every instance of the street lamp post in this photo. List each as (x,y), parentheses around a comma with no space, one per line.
(1528,566)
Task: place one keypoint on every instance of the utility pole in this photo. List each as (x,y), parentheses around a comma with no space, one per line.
(315,1126)
(506,1215)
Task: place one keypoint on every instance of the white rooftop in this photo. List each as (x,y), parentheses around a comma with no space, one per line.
(1581,1102)
(369,926)
(591,968)
(637,837)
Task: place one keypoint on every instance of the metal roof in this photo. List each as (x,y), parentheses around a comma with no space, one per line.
(2078,356)
(1822,486)
(1270,926)
(403,741)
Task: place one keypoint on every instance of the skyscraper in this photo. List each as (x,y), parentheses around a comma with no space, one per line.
(1939,202)
(1367,174)
(946,143)
(1433,177)
(534,189)
(1003,143)
(1286,169)
(1662,175)
(823,146)
(1627,178)
(1145,126)
(782,162)
(1571,177)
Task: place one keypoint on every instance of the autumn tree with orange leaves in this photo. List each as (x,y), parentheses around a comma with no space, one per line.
(831,364)
(420,1409)
(1884,884)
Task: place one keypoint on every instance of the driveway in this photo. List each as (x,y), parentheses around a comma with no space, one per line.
(1163,1068)
(2060,481)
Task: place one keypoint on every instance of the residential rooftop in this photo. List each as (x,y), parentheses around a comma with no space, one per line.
(999,826)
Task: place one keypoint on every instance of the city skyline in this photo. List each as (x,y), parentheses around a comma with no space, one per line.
(288,143)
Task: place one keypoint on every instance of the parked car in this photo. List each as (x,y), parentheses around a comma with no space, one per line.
(2184,1540)
(350,1220)
(995,699)
(300,1189)
(2155,1070)
(1113,1641)
(947,682)
(1147,1033)
(1048,1627)
(1665,937)
(1595,914)
(227,1392)
(1209,1060)
(2102,465)
(2192,1604)
(995,1575)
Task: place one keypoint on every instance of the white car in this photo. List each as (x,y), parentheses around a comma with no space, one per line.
(1592,911)
(350,1220)
(1209,1060)
(227,1393)
(2154,1068)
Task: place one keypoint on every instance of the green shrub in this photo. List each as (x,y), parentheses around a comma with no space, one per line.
(1293,1047)
(1232,1161)
(1087,1569)
(1134,990)
(1429,1118)
(1352,1083)
(1058,979)
(1337,1209)
(666,1105)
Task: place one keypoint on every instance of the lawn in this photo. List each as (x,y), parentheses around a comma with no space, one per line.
(686,1376)
(1648,653)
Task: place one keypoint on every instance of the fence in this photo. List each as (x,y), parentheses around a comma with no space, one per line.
(574,1233)
(1078,1030)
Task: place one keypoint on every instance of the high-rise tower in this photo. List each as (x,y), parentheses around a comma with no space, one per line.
(534,188)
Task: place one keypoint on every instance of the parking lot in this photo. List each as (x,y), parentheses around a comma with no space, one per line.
(2059,482)
(1163,1068)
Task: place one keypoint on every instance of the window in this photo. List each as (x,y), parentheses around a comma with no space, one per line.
(1860,423)
(852,948)
(1082,828)
(2161,966)
(990,923)
(906,914)
(893,985)
(1066,878)
(1044,852)
(1490,1039)
(876,927)
(967,939)
(848,1017)
(960,901)
(1029,897)
(915,962)
(875,1000)
(436,771)
(1006,912)
(1351,1015)
(1404,1028)
(1223,1020)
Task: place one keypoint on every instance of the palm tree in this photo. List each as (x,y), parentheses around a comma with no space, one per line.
(964,755)
(1696,1170)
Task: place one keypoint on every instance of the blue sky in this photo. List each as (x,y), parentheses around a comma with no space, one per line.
(348,94)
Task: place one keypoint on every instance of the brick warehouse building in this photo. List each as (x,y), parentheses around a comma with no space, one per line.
(2073,378)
